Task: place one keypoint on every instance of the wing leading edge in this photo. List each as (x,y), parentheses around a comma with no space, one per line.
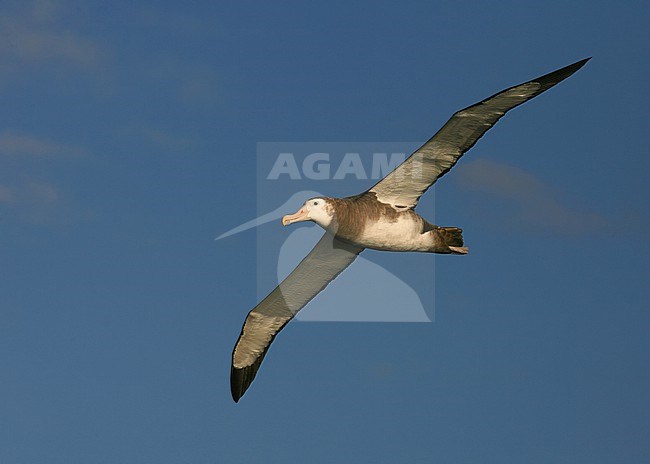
(405,185)
(326,260)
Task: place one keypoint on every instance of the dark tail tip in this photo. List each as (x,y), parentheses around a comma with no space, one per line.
(452,236)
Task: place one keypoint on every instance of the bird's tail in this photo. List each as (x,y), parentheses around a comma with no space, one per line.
(451,238)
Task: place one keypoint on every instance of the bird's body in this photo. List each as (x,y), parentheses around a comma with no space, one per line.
(382,218)
(367,222)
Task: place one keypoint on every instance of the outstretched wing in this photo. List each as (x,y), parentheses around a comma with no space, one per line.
(327,260)
(404,186)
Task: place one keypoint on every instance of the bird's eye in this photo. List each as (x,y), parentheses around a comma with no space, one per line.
(315,203)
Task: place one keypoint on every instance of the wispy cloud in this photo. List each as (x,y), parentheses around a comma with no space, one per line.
(45,10)
(173,21)
(41,192)
(188,82)
(17,144)
(34,36)
(530,203)
(200,88)
(34,202)
(28,195)
(167,140)
(32,45)
(162,140)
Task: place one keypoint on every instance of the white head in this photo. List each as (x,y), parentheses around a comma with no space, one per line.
(318,210)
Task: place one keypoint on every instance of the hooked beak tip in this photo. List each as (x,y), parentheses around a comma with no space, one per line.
(291,218)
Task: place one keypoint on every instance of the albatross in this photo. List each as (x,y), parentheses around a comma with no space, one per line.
(381,218)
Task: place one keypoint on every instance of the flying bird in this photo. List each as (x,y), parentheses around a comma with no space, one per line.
(381,218)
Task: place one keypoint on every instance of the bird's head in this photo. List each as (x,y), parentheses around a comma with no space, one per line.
(318,210)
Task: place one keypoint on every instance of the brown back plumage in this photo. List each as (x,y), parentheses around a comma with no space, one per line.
(352,213)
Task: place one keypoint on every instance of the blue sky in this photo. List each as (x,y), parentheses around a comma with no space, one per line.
(128,142)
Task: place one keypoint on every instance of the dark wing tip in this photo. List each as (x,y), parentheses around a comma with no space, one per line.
(552,78)
(237,387)
(242,378)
